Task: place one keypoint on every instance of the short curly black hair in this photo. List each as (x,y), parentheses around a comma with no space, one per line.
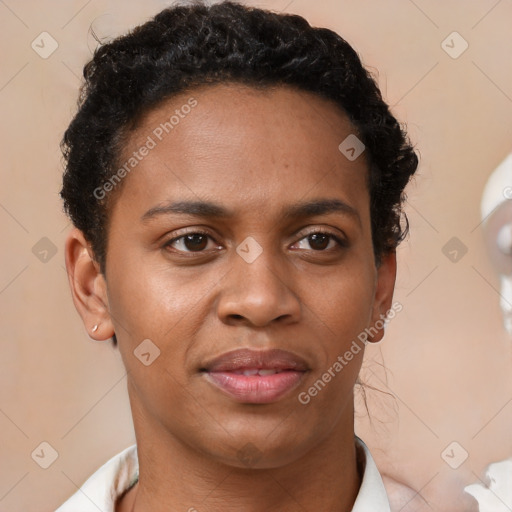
(186,46)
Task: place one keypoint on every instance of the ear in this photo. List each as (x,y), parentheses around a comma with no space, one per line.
(384,287)
(88,286)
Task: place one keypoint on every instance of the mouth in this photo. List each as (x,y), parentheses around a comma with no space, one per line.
(256,377)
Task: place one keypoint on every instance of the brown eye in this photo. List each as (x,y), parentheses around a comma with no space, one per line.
(195,242)
(321,241)
(191,242)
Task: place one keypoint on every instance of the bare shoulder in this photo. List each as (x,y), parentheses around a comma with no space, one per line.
(403,498)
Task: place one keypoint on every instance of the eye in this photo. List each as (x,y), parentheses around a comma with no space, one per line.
(321,241)
(196,241)
(200,242)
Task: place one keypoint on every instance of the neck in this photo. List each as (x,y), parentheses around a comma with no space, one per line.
(313,473)
(185,480)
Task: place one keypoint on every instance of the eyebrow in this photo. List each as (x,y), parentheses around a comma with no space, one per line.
(208,209)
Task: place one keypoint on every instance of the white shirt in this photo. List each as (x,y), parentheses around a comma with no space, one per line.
(497,496)
(101,490)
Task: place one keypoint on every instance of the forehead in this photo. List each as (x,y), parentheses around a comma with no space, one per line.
(243,146)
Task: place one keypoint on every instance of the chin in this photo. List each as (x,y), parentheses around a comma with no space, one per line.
(257,452)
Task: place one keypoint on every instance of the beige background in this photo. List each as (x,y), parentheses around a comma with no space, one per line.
(447,356)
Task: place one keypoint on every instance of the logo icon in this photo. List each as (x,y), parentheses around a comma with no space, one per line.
(146,352)
(454,45)
(44,250)
(454,455)
(44,455)
(44,45)
(351,147)
(249,454)
(249,249)
(454,249)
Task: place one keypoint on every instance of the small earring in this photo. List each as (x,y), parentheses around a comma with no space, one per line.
(95,328)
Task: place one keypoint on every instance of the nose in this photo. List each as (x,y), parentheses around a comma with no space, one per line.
(258,293)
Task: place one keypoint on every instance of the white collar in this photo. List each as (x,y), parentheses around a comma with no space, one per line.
(372,494)
(102,489)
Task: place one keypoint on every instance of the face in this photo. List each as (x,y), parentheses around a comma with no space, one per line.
(240,240)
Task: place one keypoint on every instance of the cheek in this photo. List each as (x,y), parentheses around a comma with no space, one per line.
(152,301)
(343,302)
(339,310)
(152,304)
(165,306)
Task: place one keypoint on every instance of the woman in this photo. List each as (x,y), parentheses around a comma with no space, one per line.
(235,181)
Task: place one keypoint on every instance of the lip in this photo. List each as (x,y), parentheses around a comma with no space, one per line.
(226,374)
(265,359)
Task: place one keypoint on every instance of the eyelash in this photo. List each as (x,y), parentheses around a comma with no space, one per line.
(342,244)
